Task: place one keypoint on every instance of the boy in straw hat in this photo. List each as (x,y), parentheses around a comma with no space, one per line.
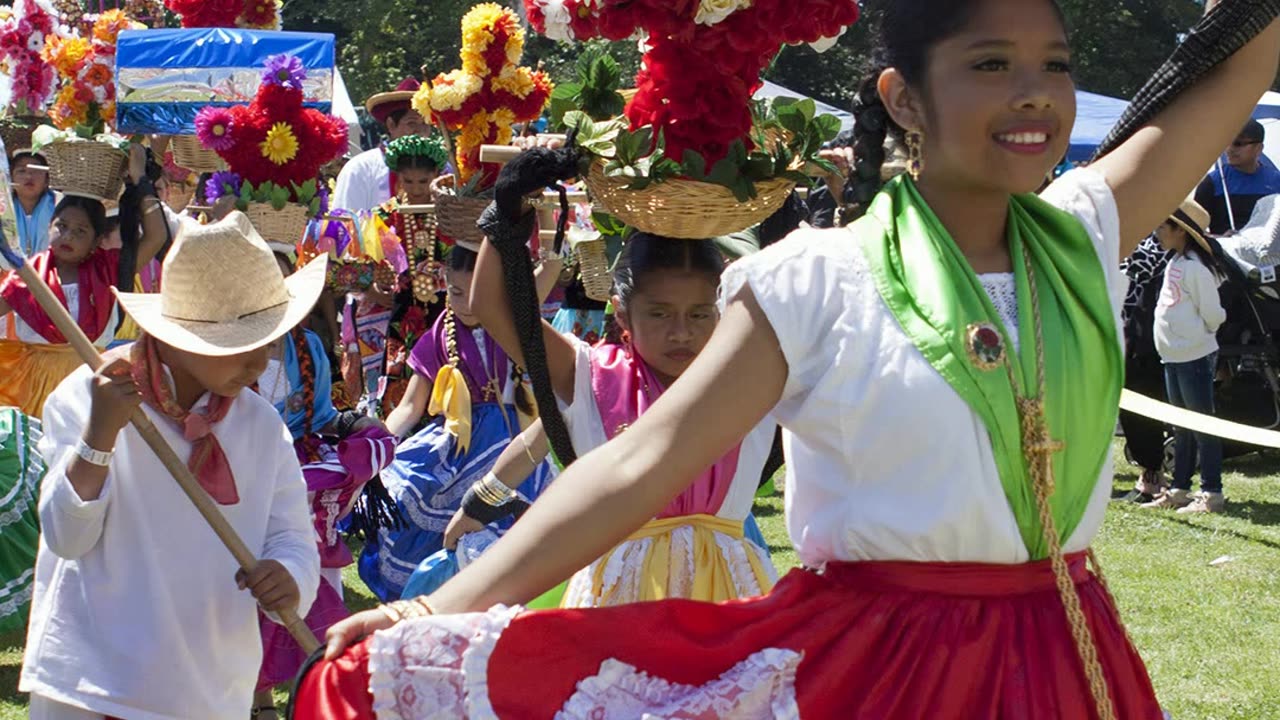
(138,611)
(1187,319)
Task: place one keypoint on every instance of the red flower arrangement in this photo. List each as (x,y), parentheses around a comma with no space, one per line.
(274,139)
(253,14)
(704,59)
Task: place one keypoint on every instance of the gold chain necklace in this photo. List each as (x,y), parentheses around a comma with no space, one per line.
(1038,449)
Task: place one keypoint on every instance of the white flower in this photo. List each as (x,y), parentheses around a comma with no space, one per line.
(557,20)
(35,42)
(711,12)
(824,44)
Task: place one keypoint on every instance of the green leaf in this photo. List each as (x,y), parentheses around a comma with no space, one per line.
(695,165)
(743,189)
(759,167)
(566,91)
(724,172)
(828,126)
(792,120)
(808,108)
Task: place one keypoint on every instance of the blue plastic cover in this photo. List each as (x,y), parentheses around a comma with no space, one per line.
(164,77)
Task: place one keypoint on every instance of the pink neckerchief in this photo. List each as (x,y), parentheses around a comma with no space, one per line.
(624,387)
(207,462)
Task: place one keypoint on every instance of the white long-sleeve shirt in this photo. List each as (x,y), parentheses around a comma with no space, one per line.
(1189,312)
(135,612)
(364,182)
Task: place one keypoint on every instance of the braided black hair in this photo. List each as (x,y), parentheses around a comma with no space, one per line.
(508,226)
(907,30)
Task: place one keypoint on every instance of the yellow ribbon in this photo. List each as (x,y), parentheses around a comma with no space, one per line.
(371,238)
(450,395)
(712,579)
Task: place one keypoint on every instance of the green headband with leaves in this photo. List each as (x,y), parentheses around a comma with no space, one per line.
(431,148)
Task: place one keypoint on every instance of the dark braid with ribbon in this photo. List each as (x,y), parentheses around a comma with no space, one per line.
(508,225)
(1219,34)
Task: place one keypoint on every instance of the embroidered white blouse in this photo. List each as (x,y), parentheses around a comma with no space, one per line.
(136,613)
(885,461)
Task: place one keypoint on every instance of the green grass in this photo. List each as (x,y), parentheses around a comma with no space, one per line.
(1208,634)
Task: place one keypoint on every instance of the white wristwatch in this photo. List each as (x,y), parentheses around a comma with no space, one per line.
(91,456)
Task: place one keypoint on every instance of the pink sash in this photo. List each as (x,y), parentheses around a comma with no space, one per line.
(624,388)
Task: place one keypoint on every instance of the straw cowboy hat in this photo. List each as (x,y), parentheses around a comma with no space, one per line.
(1193,218)
(223,293)
(382,105)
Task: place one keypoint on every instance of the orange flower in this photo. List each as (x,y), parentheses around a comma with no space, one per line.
(109,25)
(98,75)
(65,54)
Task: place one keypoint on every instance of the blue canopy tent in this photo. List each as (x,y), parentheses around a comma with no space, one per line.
(1095,116)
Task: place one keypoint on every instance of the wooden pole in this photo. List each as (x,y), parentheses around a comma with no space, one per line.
(176,467)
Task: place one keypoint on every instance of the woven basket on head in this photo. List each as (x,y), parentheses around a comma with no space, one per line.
(91,169)
(687,209)
(16,132)
(282,226)
(456,217)
(190,154)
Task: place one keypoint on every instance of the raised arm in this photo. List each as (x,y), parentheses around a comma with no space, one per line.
(609,493)
(1156,168)
(490,303)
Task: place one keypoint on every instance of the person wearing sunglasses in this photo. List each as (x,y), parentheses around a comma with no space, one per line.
(1231,190)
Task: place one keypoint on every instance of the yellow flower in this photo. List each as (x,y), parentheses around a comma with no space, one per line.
(502,119)
(421,102)
(451,90)
(280,146)
(516,80)
(65,54)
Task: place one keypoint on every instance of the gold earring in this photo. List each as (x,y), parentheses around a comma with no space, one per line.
(915,154)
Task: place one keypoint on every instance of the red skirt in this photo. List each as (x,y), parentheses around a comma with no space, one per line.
(906,641)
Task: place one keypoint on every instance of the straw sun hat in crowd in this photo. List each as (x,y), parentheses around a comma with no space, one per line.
(223,292)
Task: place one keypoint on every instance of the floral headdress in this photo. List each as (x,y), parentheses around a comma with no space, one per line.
(86,101)
(251,14)
(489,93)
(274,146)
(22,39)
(702,59)
(431,148)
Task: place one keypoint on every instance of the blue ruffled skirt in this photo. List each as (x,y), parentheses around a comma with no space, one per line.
(427,480)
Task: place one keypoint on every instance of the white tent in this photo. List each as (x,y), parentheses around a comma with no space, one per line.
(342,108)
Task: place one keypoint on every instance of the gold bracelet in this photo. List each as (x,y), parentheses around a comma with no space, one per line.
(392,614)
(421,601)
(528,452)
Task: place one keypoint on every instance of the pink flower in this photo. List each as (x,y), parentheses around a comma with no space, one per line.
(214,128)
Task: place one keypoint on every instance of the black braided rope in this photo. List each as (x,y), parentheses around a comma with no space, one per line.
(508,225)
(1229,27)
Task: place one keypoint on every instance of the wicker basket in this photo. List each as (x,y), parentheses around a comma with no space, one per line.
(190,154)
(90,169)
(282,226)
(456,218)
(593,268)
(16,131)
(686,209)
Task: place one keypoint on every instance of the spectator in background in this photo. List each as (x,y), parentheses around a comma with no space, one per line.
(833,191)
(1144,372)
(1247,176)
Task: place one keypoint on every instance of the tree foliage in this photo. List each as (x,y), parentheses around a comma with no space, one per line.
(1117,44)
